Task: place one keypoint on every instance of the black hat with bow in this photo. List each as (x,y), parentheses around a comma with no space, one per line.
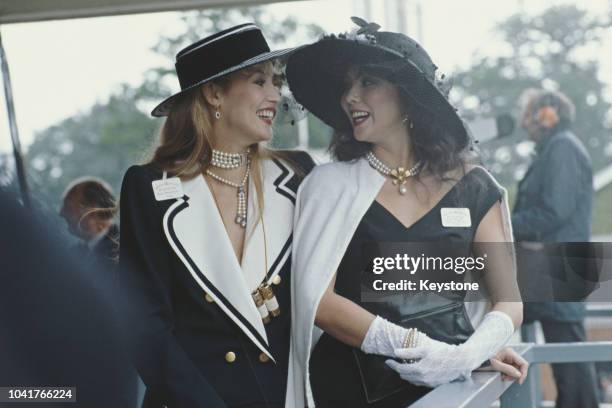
(316,74)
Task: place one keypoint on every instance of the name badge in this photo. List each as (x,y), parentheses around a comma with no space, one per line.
(167,188)
(456,217)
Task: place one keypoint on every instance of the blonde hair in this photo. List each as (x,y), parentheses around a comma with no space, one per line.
(185,146)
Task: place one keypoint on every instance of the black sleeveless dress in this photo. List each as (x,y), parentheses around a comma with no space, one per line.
(334,375)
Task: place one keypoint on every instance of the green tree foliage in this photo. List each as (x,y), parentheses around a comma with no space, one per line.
(106,139)
(556,49)
(161,81)
(320,133)
(552,50)
(103,142)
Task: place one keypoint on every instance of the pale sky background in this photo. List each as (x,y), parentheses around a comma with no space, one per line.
(62,67)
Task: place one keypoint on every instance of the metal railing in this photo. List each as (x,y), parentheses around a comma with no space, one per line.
(482,390)
(485,388)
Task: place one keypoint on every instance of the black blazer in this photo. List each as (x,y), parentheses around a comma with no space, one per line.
(195,333)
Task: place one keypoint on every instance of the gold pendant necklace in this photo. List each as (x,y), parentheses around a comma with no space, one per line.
(264,297)
(399,175)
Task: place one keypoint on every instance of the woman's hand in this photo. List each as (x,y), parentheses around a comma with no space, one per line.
(440,363)
(510,364)
(436,363)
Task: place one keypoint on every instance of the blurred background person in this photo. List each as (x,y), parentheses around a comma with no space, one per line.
(554,204)
(58,328)
(89,208)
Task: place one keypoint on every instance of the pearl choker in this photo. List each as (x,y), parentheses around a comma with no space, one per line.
(399,175)
(225,160)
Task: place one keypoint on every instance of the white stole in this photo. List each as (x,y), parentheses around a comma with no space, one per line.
(331,202)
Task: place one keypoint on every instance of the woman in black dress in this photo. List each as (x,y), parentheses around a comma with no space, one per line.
(206,230)
(401,175)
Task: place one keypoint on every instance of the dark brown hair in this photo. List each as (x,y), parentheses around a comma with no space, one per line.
(431,142)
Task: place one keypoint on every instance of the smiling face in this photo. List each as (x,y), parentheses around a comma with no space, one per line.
(248,104)
(373,106)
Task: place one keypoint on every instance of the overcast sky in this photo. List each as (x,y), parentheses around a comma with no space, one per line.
(62,67)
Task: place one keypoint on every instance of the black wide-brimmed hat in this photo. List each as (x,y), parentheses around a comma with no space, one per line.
(215,56)
(316,74)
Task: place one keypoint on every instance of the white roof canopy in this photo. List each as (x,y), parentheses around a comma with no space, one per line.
(19,11)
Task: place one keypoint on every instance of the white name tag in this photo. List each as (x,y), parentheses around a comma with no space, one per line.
(167,188)
(456,217)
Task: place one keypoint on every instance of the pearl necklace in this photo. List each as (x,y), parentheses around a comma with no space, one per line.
(225,160)
(241,212)
(399,175)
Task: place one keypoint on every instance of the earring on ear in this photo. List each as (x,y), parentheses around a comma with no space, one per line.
(217,113)
(410,124)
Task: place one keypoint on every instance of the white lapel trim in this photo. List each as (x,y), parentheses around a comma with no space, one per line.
(195,231)
(277,218)
(283,178)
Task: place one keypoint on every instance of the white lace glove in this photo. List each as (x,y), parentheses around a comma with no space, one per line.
(439,363)
(383,337)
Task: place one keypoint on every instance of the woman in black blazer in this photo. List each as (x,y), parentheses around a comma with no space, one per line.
(206,231)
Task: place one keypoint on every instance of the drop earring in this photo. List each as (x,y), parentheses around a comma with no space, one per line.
(410,124)
(217,113)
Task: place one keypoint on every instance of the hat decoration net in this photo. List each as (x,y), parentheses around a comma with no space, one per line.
(444,83)
(367,32)
(290,111)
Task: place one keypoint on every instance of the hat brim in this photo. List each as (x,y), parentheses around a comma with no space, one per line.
(166,105)
(316,76)
(410,80)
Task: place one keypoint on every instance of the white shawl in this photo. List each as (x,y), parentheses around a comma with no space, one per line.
(331,202)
